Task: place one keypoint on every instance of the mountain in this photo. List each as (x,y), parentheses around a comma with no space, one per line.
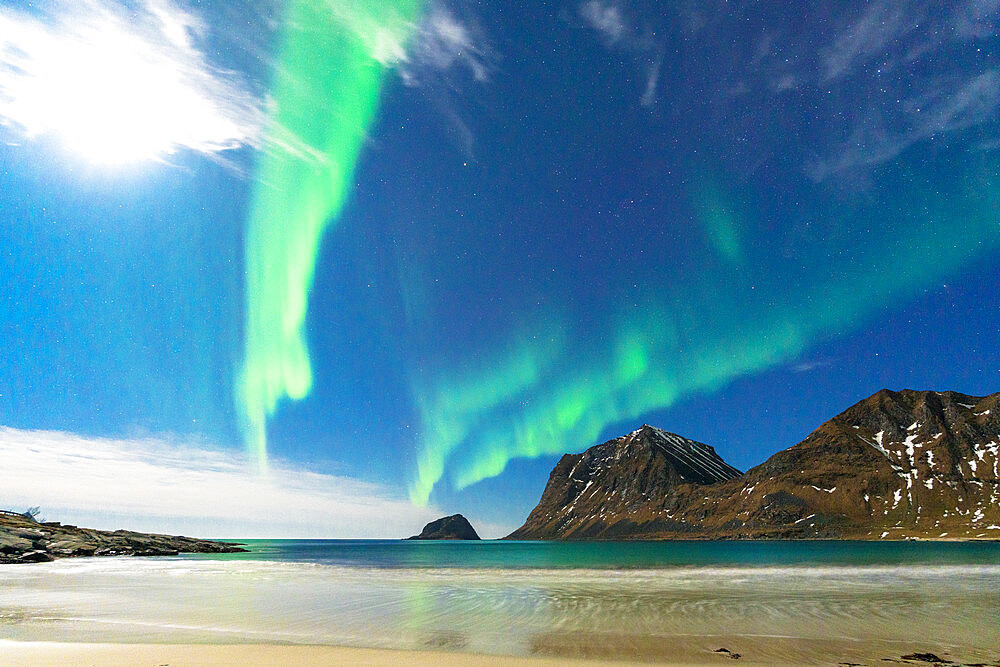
(24,540)
(611,488)
(454,527)
(896,465)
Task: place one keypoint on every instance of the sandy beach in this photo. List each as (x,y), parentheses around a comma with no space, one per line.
(220,610)
(756,651)
(15,654)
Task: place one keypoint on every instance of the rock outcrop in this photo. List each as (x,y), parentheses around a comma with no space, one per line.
(23,540)
(454,527)
(896,465)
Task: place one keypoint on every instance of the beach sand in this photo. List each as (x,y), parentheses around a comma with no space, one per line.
(15,654)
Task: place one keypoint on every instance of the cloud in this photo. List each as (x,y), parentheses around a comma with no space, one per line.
(811,365)
(617,30)
(448,47)
(652,79)
(444,42)
(435,54)
(976,19)
(604,18)
(957,105)
(892,76)
(439,42)
(866,38)
(164,486)
(120,83)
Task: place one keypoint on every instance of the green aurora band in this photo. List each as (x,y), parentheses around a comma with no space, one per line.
(556,385)
(325,92)
(555,392)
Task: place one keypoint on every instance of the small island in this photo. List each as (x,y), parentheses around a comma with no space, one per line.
(454,527)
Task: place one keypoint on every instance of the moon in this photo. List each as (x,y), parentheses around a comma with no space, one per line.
(118,88)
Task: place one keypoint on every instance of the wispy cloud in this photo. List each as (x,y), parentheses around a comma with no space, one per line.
(120,82)
(976,19)
(652,80)
(957,105)
(606,19)
(866,38)
(810,365)
(436,55)
(894,75)
(617,30)
(440,42)
(159,485)
(445,42)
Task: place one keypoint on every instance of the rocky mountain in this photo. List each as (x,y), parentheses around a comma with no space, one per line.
(610,488)
(454,527)
(23,540)
(896,465)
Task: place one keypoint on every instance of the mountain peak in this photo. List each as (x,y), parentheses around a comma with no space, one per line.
(694,461)
(649,465)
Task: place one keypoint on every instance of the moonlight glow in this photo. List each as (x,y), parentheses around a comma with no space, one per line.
(116,87)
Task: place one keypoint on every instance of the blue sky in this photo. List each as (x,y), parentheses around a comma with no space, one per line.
(558,221)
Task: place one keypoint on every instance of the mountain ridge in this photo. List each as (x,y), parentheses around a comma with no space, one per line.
(894,465)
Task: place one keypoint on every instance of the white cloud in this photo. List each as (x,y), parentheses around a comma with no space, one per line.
(958,105)
(811,365)
(163,486)
(976,19)
(119,83)
(865,39)
(891,81)
(652,79)
(443,42)
(439,42)
(615,28)
(604,18)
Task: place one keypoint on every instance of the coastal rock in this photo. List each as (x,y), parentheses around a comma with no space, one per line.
(13,544)
(23,540)
(897,465)
(35,557)
(729,654)
(454,527)
(926,657)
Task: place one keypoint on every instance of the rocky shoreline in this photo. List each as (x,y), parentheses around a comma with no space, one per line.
(24,540)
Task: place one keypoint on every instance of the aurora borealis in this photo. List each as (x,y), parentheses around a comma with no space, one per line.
(659,354)
(431,246)
(326,89)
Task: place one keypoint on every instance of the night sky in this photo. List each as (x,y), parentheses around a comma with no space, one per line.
(418,250)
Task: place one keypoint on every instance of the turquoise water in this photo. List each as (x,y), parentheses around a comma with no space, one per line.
(797,602)
(616,555)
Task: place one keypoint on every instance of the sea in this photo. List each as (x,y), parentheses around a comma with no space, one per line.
(796,601)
